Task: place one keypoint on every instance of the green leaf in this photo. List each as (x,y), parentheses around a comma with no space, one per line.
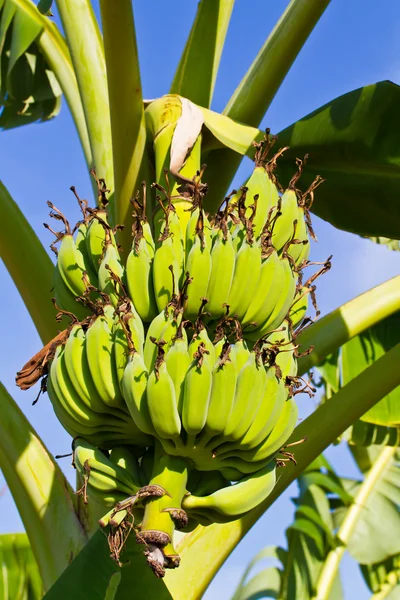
(376,536)
(93,574)
(362,351)
(352,141)
(128,129)
(19,574)
(44,499)
(198,67)
(28,91)
(28,264)
(229,134)
(390,244)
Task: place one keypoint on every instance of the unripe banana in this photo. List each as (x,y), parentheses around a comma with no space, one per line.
(169,253)
(71,266)
(163,328)
(283,228)
(134,387)
(177,360)
(100,355)
(201,338)
(196,395)
(240,354)
(65,299)
(275,440)
(162,404)
(222,396)
(249,392)
(132,326)
(239,498)
(222,270)
(101,473)
(198,266)
(123,457)
(96,237)
(111,265)
(267,293)
(139,274)
(245,278)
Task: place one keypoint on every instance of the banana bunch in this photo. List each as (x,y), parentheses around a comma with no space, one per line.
(180,361)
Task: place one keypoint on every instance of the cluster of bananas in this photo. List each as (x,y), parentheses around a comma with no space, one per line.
(181,363)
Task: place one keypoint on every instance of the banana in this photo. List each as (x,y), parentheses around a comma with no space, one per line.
(134,390)
(139,273)
(283,227)
(197,392)
(268,412)
(222,396)
(111,265)
(163,327)
(65,299)
(80,242)
(301,251)
(198,266)
(128,325)
(299,308)
(286,283)
(177,360)
(201,338)
(169,253)
(162,404)
(96,237)
(284,359)
(245,278)
(250,384)
(221,276)
(240,354)
(78,370)
(123,457)
(206,482)
(71,266)
(239,498)
(101,473)
(100,355)
(275,440)
(263,192)
(267,293)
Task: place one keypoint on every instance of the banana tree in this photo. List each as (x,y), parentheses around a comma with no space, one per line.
(192,240)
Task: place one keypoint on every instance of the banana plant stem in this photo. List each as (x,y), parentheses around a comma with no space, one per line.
(347,527)
(215,542)
(347,321)
(87,53)
(126,105)
(160,514)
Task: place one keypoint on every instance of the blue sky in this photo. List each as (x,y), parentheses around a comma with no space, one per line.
(354,44)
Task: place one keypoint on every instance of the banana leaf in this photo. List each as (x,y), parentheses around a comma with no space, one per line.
(352,142)
(29,90)
(19,574)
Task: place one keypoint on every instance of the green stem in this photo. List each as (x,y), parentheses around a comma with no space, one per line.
(171,473)
(126,104)
(41,493)
(215,542)
(85,44)
(56,52)
(347,321)
(347,527)
(254,94)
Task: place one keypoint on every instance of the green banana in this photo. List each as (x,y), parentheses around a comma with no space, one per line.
(245,278)
(221,276)
(123,457)
(287,212)
(72,267)
(100,355)
(267,293)
(168,263)
(177,360)
(65,299)
(96,237)
(286,283)
(222,396)
(198,267)
(139,273)
(239,498)
(163,328)
(162,403)
(240,354)
(134,390)
(197,392)
(111,265)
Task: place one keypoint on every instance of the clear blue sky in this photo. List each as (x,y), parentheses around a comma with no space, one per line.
(354,44)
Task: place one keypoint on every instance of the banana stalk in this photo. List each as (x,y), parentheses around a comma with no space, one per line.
(162,515)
